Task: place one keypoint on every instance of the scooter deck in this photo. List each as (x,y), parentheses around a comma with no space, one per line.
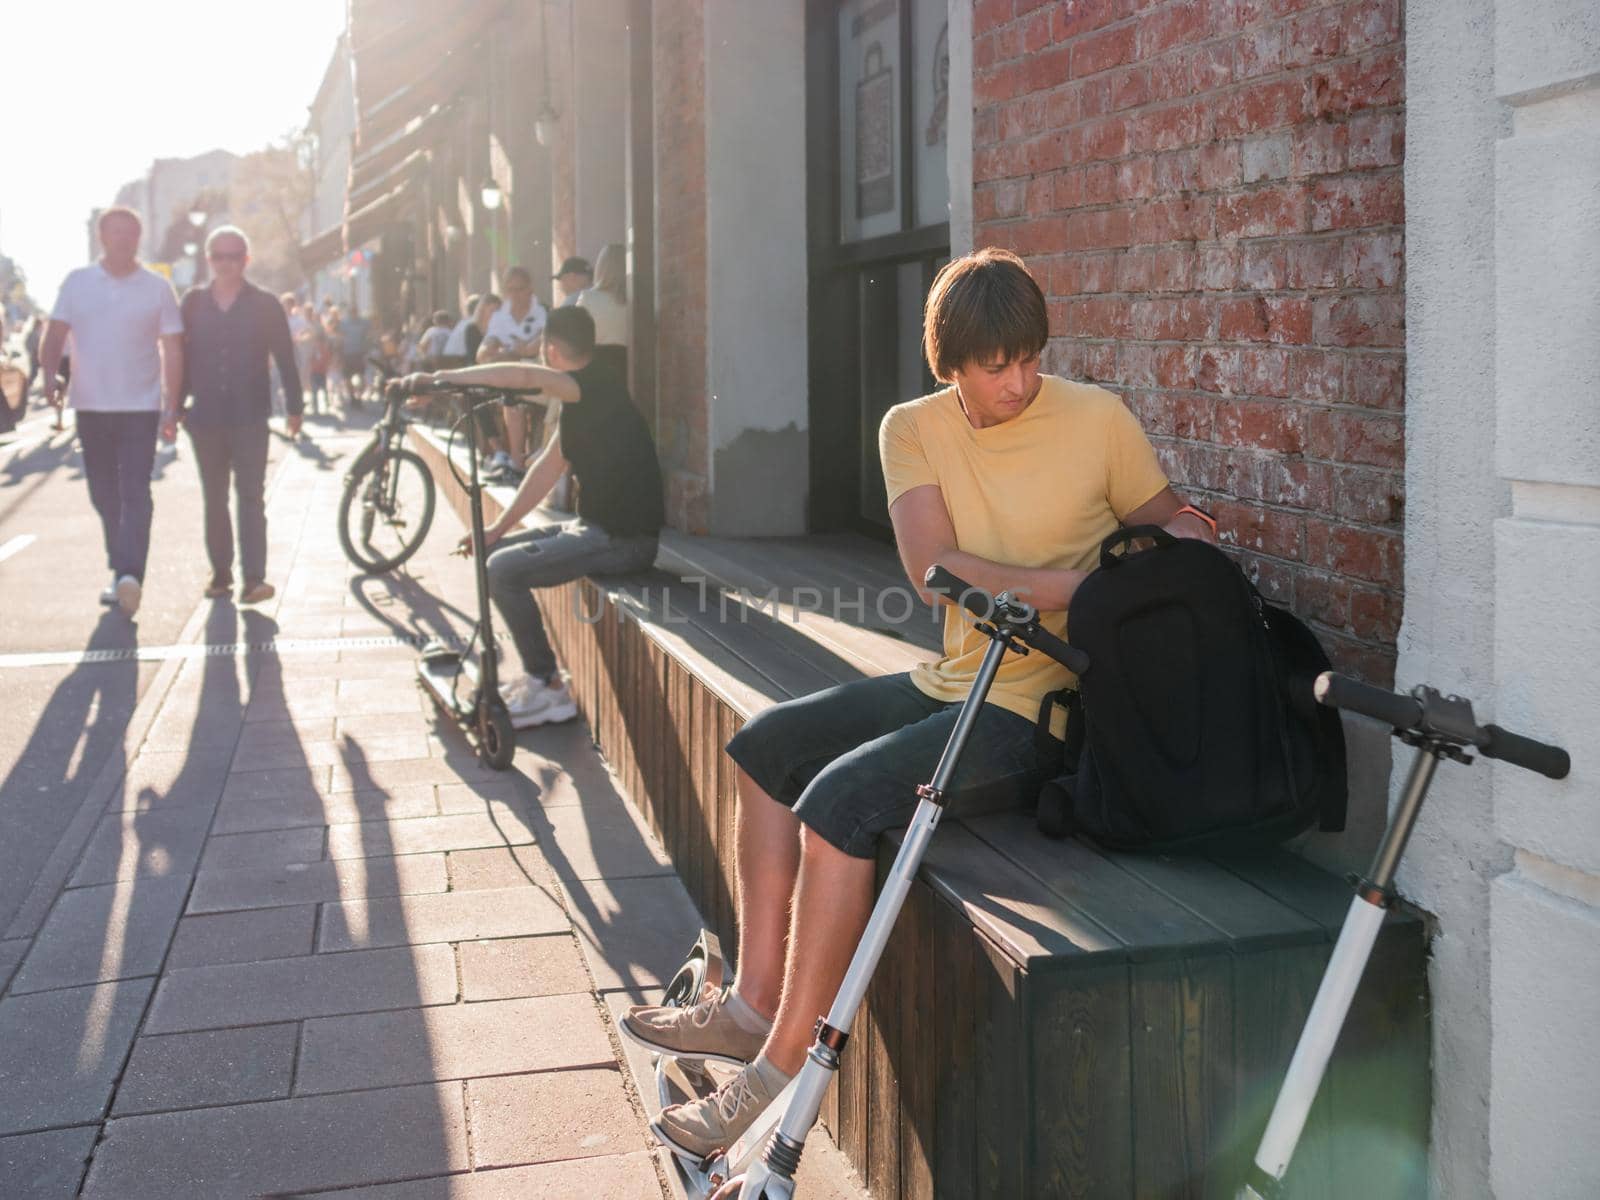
(452,679)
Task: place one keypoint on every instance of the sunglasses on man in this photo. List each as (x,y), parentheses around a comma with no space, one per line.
(226,256)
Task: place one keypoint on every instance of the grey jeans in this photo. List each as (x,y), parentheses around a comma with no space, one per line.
(547,556)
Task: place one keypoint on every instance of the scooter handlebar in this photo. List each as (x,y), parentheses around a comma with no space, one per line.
(1405,712)
(942,581)
(1519,751)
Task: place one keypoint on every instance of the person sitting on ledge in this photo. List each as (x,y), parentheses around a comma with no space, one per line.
(604,439)
(1011,479)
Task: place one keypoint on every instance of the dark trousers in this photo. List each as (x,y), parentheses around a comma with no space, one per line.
(119,451)
(239,451)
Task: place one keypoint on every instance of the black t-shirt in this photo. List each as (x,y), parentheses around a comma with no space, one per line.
(606,442)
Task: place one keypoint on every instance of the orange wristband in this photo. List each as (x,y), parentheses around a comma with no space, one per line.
(1201,513)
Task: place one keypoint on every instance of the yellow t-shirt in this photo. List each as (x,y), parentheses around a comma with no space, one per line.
(1043,489)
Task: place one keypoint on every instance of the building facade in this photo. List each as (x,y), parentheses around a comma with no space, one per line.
(1338,255)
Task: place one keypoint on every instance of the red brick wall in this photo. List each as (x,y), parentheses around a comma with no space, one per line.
(680,188)
(1210,192)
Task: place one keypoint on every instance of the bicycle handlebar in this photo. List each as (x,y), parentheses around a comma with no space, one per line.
(1411,713)
(432,387)
(1018,618)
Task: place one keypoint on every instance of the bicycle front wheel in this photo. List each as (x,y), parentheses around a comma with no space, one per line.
(386,510)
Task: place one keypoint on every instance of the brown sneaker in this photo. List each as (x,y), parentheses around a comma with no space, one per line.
(255,593)
(704,1127)
(702,1032)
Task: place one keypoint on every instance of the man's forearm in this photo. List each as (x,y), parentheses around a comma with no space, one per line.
(1047,589)
(535,486)
(50,351)
(171,379)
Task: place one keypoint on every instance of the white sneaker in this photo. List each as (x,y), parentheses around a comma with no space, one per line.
(535,703)
(129,593)
(499,460)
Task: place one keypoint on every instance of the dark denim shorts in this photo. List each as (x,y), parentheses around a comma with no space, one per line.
(848,760)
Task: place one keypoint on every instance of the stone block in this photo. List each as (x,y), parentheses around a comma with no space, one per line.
(249,787)
(290,989)
(1547,285)
(94,934)
(75,1041)
(465,831)
(551,1115)
(11,953)
(361,776)
(1541,43)
(456,1041)
(623,1177)
(44,1166)
(1545,1057)
(152,842)
(305,805)
(634,932)
(283,1146)
(507,968)
(441,917)
(269,848)
(316,882)
(501,867)
(604,840)
(248,936)
(201,1070)
(175,779)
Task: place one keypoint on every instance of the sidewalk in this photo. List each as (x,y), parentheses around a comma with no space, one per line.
(312,945)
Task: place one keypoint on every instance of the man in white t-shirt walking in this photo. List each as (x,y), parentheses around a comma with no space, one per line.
(127,381)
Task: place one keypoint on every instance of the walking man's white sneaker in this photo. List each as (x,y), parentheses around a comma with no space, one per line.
(129,593)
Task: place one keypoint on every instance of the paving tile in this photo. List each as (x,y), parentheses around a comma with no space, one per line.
(173,779)
(272,706)
(76,1040)
(509,790)
(306,806)
(112,931)
(442,917)
(619,1177)
(551,1115)
(337,752)
(11,953)
(289,989)
(465,831)
(260,734)
(384,724)
(256,786)
(282,1146)
(357,776)
(157,841)
(181,727)
(500,867)
(248,936)
(455,1041)
(634,932)
(269,848)
(507,968)
(45,1166)
(598,841)
(315,882)
(218,1066)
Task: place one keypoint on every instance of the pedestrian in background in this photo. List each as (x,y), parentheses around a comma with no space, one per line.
(515,333)
(607,302)
(127,381)
(232,330)
(575,275)
(430,346)
(355,333)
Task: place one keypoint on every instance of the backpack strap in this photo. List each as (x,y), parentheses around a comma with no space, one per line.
(1054,816)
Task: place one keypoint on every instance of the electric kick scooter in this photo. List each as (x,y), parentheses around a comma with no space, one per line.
(761,1165)
(1438,727)
(443,669)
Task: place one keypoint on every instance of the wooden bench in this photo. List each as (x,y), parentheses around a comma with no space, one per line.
(1049,1020)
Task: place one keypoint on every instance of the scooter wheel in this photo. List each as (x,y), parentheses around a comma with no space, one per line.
(497,740)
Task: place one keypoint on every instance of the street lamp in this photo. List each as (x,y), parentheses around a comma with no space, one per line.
(191,248)
(489,193)
(197,217)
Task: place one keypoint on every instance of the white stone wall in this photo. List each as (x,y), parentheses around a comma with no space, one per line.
(1503,574)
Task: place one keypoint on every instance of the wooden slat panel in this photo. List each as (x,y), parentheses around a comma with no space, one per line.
(955,1118)
(882,1012)
(1182,1054)
(919,1046)
(1252,920)
(728,723)
(1082,1109)
(1004,1068)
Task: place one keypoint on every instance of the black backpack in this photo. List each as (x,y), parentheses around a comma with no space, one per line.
(1194,728)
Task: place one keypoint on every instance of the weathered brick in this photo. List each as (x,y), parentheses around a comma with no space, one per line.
(1261,425)
(1314,263)
(1316,375)
(1376,81)
(1268,105)
(1320,148)
(1368,495)
(1375,380)
(1375,615)
(1313,37)
(1369,24)
(1265,319)
(1365,320)
(1265,212)
(1262,265)
(1101,51)
(1372,439)
(1357,201)
(1263,530)
(1367,554)
(1376,140)
(1373,260)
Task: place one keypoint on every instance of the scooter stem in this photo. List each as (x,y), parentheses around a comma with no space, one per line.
(783,1154)
(488,666)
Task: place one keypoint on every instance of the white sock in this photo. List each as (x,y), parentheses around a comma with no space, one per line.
(745,1017)
(772,1079)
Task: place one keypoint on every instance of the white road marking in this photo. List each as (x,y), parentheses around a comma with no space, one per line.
(17,544)
(73,658)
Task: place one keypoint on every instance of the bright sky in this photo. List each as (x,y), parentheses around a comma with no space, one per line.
(94,90)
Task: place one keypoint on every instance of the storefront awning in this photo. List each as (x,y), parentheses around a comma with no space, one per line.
(377,164)
(397,176)
(406,64)
(371,219)
(322,249)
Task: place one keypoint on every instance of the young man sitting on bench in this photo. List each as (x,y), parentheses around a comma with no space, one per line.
(604,439)
(1011,479)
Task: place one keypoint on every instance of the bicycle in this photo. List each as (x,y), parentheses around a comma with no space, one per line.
(389,495)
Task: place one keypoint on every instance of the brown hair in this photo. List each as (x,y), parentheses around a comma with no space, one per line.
(982,306)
